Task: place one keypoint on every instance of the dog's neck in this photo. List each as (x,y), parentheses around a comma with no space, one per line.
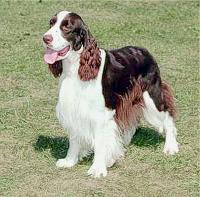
(71,62)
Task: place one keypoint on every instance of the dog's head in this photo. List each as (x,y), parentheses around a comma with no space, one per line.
(69,33)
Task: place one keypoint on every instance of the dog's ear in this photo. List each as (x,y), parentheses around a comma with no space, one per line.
(90,58)
(56,68)
(79,37)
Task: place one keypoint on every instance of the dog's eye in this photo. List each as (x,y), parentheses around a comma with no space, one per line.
(66,30)
(53,21)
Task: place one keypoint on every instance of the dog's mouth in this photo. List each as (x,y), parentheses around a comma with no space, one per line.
(51,56)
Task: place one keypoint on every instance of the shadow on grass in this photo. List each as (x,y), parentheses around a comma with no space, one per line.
(58,146)
(146,137)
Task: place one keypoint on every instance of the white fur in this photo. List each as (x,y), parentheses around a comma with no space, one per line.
(128,134)
(162,121)
(81,111)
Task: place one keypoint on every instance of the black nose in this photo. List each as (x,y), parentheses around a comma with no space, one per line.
(47,39)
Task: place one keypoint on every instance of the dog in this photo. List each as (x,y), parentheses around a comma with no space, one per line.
(104,93)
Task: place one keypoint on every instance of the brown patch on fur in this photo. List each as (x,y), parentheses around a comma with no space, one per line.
(52,21)
(168,100)
(56,68)
(90,60)
(129,108)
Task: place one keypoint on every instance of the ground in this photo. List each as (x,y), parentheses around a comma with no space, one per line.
(31,139)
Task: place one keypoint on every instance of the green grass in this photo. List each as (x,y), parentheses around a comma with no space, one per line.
(30,137)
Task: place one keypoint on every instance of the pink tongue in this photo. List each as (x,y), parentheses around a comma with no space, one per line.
(50,56)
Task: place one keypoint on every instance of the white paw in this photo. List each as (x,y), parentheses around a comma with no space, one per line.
(97,171)
(171,148)
(65,163)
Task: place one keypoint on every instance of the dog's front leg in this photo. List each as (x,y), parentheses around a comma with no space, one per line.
(98,167)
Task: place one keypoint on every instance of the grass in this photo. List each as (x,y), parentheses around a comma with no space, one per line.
(30,137)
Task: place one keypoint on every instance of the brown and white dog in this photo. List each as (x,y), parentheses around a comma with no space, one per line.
(103,94)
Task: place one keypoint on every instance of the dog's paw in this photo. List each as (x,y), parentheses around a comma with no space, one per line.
(65,163)
(110,163)
(97,171)
(171,148)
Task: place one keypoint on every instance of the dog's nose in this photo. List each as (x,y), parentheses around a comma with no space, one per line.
(47,38)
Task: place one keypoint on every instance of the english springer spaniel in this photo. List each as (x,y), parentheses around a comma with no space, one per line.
(104,93)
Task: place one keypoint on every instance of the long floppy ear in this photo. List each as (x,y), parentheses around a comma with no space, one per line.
(78,40)
(90,58)
(56,68)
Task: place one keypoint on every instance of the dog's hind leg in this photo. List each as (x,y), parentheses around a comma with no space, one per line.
(162,120)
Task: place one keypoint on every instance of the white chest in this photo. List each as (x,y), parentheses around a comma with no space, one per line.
(81,106)
(79,101)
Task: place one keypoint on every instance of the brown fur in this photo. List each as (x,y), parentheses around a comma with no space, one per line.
(129,108)
(168,99)
(90,60)
(56,68)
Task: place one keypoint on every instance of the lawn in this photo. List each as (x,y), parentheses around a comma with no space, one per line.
(31,140)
